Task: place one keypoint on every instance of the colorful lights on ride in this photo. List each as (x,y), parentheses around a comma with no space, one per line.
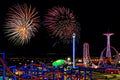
(58,62)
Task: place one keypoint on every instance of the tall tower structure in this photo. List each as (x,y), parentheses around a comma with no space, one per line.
(86,60)
(108,51)
(108,61)
(73,50)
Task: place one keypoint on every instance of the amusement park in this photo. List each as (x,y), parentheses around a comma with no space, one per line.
(62,69)
(54,40)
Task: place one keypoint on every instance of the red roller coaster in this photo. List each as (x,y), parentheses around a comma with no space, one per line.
(42,76)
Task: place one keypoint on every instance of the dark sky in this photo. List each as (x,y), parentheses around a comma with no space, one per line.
(95,18)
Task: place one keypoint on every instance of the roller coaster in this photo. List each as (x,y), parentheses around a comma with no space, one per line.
(103,63)
(43,72)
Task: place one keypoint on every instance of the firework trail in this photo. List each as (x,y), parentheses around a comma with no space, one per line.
(21,24)
(61,22)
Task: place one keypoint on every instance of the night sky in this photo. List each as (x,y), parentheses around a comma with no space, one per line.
(95,18)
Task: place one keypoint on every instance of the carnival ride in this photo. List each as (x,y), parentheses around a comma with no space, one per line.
(87,62)
(108,62)
(44,72)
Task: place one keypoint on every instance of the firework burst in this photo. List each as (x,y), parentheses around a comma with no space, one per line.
(21,24)
(61,23)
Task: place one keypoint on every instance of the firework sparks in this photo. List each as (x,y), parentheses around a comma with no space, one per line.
(61,23)
(21,24)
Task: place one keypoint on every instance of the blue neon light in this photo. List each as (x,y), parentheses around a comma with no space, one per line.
(73,50)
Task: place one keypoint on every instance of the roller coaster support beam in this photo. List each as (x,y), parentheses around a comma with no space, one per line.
(4,76)
(13,70)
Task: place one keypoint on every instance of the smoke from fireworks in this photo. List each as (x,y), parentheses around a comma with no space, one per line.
(21,24)
(61,23)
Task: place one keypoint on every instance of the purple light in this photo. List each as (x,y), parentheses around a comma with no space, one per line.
(108,52)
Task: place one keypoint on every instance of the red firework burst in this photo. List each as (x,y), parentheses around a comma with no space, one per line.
(61,23)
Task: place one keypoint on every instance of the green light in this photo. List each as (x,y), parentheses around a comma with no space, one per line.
(1,77)
(58,62)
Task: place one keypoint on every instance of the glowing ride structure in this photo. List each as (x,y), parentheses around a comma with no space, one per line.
(102,61)
(108,52)
(73,50)
(106,62)
(58,62)
(87,62)
(43,72)
(32,73)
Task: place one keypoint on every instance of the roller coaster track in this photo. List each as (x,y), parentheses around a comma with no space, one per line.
(20,78)
(86,56)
